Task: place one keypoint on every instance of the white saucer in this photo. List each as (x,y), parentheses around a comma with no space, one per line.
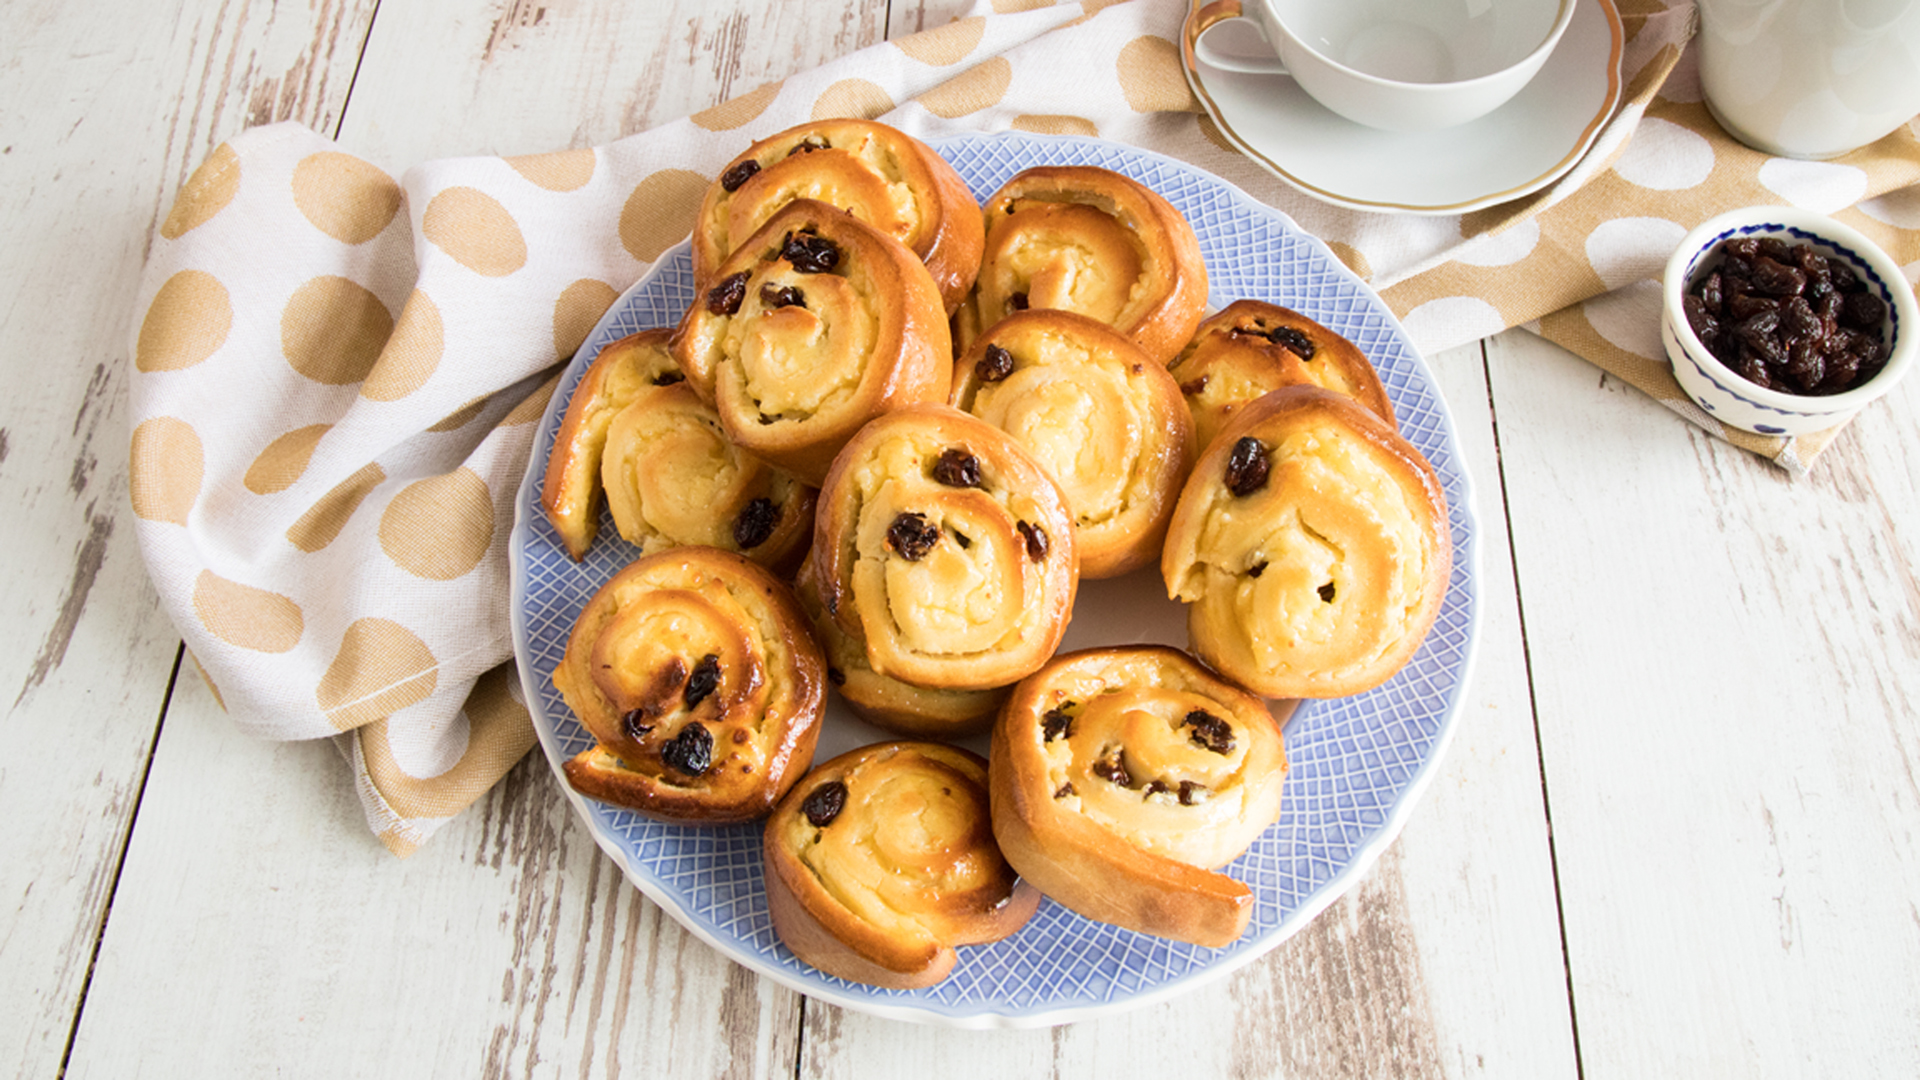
(1519,148)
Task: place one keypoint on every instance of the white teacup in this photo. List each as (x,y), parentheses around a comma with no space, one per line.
(1400,65)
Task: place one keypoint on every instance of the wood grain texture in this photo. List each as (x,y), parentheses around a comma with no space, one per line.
(1725,663)
(108,117)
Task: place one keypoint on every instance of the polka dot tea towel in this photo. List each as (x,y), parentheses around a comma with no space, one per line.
(337,372)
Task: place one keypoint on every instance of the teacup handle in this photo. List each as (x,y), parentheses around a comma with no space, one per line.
(1238,44)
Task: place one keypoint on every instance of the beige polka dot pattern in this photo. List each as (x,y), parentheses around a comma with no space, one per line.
(207,192)
(246,617)
(412,353)
(568,170)
(979,87)
(476,230)
(439,528)
(500,732)
(186,323)
(321,524)
(344,197)
(284,460)
(580,306)
(660,212)
(165,468)
(739,111)
(460,417)
(944,45)
(333,329)
(856,98)
(1046,124)
(1151,77)
(533,407)
(380,668)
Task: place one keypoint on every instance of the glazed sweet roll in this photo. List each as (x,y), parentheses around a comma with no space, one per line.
(882,861)
(879,174)
(1122,778)
(1095,242)
(1251,347)
(816,324)
(920,711)
(947,549)
(696,674)
(571,491)
(1105,420)
(1311,546)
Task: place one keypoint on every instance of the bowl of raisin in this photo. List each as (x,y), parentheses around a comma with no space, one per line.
(1784,322)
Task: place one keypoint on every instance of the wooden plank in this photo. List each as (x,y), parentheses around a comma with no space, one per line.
(1725,663)
(1444,961)
(109,115)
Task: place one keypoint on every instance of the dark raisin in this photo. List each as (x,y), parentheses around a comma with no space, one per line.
(1193,386)
(1777,279)
(1326,593)
(739,174)
(824,803)
(836,676)
(1187,790)
(668,378)
(779,296)
(809,144)
(957,468)
(724,298)
(1294,341)
(1017,302)
(1705,326)
(1155,787)
(1862,311)
(1257,568)
(911,536)
(704,680)
(1113,770)
(1844,277)
(810,253)
(1036,538)
(755,524)
(1209,731)
(1247,466)
(635,724)
(691,751)
(1744,305)
(1056,724)
(995,365)
(1065,790)
(1710,291)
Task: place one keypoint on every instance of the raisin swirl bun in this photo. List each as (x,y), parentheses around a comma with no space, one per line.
(947,549)
(571,491)
(1123,777)
(695,673)
(1310,545)
(881,175)
(882,860)
(814,325)
(921,711)
(1092,241)
(1251,347)
(1104,419)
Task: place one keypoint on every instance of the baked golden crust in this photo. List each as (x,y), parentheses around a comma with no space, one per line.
(947,549)
(881,175)
(1251,347)
(815,324)
(1105,420)
(1092,241)
(672,477)
(1122,777)
(1322,576)
(698,678)
(570,493)
(882,861)
(920,711)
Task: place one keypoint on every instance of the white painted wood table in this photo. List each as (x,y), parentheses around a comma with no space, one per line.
(1677,834)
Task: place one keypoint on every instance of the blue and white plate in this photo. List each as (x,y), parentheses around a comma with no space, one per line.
(1358,763)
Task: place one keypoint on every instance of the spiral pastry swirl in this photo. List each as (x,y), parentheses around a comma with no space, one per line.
(816,324)
(1105,420)
(1251,347)
(1310,545)
(1123,777)
(881,175)
(571,490)
(882,861)
(947,549)
(1092,241)
(696,675)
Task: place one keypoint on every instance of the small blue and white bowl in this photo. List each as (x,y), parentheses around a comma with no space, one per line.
(1733,400)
